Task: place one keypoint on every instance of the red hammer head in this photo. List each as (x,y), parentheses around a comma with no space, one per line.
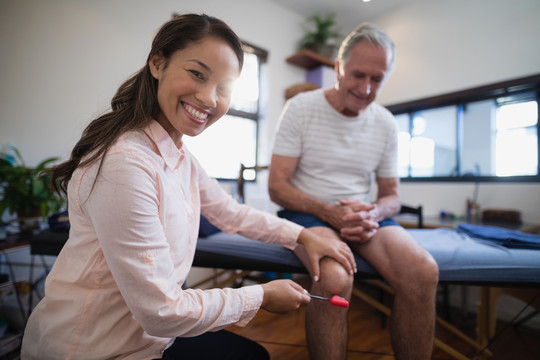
(339,301)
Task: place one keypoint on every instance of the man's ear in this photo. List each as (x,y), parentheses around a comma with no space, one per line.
(337,70)
(156,64)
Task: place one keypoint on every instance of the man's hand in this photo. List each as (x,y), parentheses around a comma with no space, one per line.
(360,221)
(318,247)
(281,296)
(334,214)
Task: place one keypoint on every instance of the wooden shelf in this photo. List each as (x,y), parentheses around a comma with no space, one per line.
(298,88)
(309,59)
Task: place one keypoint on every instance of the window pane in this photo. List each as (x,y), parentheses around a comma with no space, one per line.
(518,115)
(433,143)
(245,96)
(517,139)
(403,144)
(517,152)
(223,146)
(478,144)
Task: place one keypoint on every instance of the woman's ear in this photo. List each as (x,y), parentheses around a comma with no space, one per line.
(156,64)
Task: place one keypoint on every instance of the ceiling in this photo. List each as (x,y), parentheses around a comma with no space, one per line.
(349,13)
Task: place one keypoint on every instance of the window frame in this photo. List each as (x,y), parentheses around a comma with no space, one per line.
(262,55)
(460,100)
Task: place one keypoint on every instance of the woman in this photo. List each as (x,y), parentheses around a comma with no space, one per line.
(135,196)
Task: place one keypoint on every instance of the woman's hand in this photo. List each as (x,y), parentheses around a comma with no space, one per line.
(318,247)
(281,296)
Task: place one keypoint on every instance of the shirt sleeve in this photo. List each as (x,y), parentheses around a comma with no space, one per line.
(289,137)
(231,217)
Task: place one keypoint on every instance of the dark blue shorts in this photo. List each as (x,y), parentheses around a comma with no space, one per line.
(309,220)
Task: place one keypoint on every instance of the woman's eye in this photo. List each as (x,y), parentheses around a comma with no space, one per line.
(197,74)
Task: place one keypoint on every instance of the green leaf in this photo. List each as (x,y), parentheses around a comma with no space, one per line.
(25,191)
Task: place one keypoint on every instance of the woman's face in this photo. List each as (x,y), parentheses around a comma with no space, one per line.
(194,87)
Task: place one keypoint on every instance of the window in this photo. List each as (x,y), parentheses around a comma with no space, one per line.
(516,139)
(232,140)
(484,134)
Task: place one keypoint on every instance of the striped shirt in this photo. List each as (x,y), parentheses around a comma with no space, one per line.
(337,154)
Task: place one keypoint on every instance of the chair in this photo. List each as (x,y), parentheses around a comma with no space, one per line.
(406,209)
(241,180)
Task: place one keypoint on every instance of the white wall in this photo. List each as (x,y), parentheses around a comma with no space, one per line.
(445,46)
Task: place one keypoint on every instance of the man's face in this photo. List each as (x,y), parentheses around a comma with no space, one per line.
(361,77)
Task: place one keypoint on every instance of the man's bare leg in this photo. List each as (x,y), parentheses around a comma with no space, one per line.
(413,274)
(326,325)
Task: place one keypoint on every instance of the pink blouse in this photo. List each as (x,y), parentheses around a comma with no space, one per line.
(115,290)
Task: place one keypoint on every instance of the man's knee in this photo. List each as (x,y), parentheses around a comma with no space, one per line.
(427,270)
(334,278)
(412,263)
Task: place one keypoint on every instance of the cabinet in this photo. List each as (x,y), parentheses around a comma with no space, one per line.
(311,61)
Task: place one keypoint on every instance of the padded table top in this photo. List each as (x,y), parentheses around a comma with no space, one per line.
(461,258)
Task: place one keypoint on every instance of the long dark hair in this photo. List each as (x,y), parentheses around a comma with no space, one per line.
(135,102)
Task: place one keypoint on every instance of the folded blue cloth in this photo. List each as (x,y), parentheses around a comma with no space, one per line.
(505,237)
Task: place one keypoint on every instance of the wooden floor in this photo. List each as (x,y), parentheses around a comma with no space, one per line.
(284,336)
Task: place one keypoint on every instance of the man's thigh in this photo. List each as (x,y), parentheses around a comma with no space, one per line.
(323,229)
(393,252)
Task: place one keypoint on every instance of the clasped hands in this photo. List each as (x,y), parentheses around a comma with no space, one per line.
(355,220)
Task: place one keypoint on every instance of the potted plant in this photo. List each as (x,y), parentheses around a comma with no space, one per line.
(321,36)
(26,192)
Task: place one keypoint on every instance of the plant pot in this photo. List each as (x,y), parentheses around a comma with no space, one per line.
(328,51)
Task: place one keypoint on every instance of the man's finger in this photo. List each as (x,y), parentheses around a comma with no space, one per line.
(355,216)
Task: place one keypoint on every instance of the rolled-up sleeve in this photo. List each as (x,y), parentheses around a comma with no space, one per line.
(231,217)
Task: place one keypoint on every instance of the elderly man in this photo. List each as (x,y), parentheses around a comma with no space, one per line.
(329,145)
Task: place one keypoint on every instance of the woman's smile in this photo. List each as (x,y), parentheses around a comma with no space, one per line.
(199,116)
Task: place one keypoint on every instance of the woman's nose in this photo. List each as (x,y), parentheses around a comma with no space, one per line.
(207,96)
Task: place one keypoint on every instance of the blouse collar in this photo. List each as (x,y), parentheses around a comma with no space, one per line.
(170,152)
